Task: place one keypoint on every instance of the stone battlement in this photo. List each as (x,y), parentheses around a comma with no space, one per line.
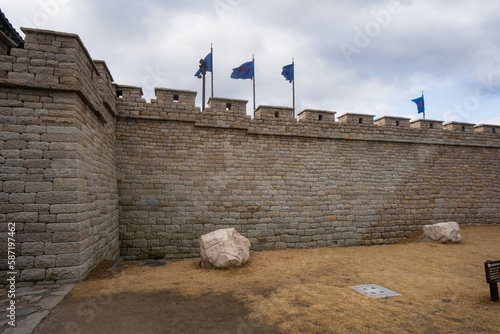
(90,171)
(179,105)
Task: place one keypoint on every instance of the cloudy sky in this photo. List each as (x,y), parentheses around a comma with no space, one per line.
(359,56)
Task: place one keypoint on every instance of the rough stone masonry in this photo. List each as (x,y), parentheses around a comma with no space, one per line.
(90,171)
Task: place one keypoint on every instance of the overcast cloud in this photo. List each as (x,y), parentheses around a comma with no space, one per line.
(360,56)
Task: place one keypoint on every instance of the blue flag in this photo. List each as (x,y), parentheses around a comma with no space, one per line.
(288,72)
(420,104)
(244,71)
(208,60)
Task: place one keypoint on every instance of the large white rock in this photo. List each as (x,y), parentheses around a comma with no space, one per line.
(443,232)
(224,248)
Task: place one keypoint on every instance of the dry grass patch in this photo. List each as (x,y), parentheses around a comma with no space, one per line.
(443,287)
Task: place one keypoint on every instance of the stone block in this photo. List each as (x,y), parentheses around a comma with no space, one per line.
(25,262)
(8,208)
(62,129)
(67,273)
(34,187)
(140,243)
(22,198)
(66,227)
(34,227)
(69,184)
(63,248)
(66,237)
(47,218)
(28,120)
(68,208)
(37,163)
(68,260)
(23,217)
(45,261)
(13,186)
(33,275)
(31,154)
(57,197)
(32,248)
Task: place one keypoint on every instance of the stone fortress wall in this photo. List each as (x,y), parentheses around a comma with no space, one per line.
(57,161)
(90,170)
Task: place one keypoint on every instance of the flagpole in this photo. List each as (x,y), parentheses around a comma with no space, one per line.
(203,91)
(423,102)
(253,79)
(293,86)
(203,72)
(212,72)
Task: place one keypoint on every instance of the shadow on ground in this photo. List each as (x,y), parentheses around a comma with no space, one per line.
(155,313)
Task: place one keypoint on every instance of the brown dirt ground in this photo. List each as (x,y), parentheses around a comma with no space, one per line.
(443,289)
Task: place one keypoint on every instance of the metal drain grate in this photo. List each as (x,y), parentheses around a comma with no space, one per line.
(375,291)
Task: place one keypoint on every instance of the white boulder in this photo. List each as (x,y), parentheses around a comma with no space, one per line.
(444,232)
(224,248)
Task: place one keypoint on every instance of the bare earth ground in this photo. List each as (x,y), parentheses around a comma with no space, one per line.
(443,289)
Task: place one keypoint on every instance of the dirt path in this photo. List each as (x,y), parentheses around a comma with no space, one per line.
(443,290)
(161,312)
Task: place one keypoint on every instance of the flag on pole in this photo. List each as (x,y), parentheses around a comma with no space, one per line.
(420,104)
(208,61)
(288,72)
(244,71)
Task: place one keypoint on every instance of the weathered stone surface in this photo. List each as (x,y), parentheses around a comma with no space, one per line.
(27,325)
(33,275)
(32,248)
(50,302)
(224,248)
(26,311)
(444,232)
(58,148)
(45,261)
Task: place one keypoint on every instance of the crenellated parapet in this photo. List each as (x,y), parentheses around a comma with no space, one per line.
(273,120)
(317,116)
(393,122)
(275,115)
(224,113)
(487,129)
(459,127)
(179,105)
(169,104)
(426,124)
(350,119)
(106,87)
(59,62)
